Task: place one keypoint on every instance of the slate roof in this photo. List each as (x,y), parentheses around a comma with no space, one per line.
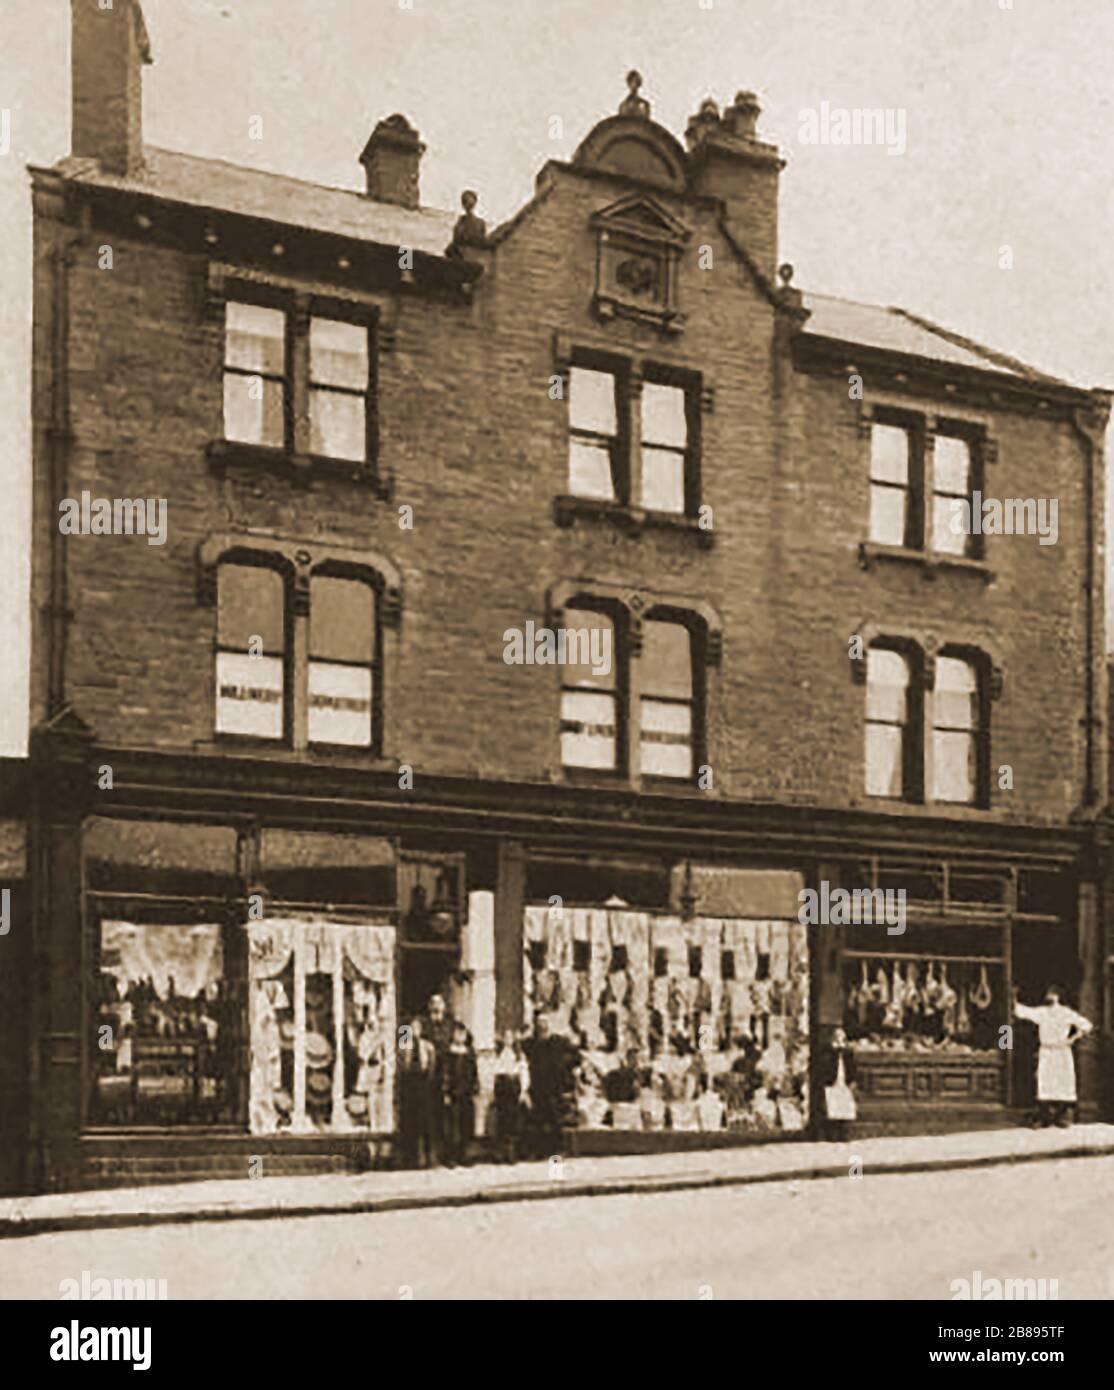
(211,183)
(897,330)
(195,181)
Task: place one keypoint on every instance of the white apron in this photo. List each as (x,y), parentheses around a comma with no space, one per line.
(1055,1065)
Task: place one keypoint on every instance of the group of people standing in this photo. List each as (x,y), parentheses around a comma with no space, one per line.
(438,1081)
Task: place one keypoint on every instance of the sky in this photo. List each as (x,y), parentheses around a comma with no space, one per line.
(1008,110)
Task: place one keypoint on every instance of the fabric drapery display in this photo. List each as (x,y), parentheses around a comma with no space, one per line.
(711,1015)
(322,1008)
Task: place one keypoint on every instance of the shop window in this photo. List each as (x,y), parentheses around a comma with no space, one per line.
(323,1030)
(889,729)
(166,1009)
(952,482)
(342,650)
(595,452)
(255,379)
(666,724)
(890,510)
(251,646)
(665,446)
(932,999)
(339,386)
(955,731)
(589,695)
(671,1040)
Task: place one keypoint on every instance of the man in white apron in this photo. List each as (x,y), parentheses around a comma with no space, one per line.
(1059,1028)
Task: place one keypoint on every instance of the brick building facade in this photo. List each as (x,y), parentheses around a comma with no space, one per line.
(283,782)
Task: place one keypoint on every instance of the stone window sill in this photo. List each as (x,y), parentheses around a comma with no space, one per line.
(568,509)
(225,453)
(931,562)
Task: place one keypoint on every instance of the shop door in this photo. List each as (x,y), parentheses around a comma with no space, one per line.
(1043,954)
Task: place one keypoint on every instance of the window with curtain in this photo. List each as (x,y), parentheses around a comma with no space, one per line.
(594,434)
(339,383)
(255,375)
(590,698)
(951,488)
(342,649)
(890,450)
(888,725)
(955,731)
(666,737)
(665,447)
(251,651)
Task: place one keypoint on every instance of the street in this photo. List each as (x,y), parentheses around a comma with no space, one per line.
(895,1236)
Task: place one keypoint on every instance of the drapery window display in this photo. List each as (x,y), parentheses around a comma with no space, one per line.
(952,1006)
(322,1009)
(164,1046)
(682,1025)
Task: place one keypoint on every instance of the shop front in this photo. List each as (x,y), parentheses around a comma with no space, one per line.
(222,970)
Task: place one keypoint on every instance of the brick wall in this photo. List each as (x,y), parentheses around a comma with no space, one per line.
(478,450)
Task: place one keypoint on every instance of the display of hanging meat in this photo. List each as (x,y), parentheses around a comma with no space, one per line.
(981,996)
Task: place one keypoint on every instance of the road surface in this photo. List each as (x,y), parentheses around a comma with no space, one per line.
(900,1236)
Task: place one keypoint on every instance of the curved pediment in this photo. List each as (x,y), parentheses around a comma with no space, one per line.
(634,147)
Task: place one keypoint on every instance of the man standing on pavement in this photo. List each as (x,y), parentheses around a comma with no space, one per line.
(437,1026)
(551,1062)
(1059,1027)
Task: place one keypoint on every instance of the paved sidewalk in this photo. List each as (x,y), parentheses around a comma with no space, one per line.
(246,1199)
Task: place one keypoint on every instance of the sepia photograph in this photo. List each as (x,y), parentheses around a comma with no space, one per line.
(555,703)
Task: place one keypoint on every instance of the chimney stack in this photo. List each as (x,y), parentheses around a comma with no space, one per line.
(728,160)
(109,46)
(391,158)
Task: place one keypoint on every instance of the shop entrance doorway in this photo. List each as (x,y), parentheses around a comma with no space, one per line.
(1044,953)
(424,972)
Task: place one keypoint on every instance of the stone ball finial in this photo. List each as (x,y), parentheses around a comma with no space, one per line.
(633,104)
(785,274)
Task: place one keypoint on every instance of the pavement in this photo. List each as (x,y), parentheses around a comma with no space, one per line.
(561,1178)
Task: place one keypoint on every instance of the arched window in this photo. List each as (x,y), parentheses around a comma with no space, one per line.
(591,683)
(891,727)
(667,728)
(957,720)
(342,660)
(251,651)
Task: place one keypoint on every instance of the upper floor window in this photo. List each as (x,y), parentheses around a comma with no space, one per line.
(590,708)
(666,726)
(889,765)
(319,690)
(890,510)
(936,739)
(297,381)
(255,382)
(251,651)
(952,486)
(342,650)
(665,447)
(609,725)
(595,453)
(339,384)
(922,485)
(639,457)
(956,720)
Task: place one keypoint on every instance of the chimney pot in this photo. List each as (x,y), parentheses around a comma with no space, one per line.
(391,159)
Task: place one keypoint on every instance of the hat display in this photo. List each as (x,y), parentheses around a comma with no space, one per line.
(286,1033)
(320,1084)
(283,1102)
(357,1106)
(319,1051)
